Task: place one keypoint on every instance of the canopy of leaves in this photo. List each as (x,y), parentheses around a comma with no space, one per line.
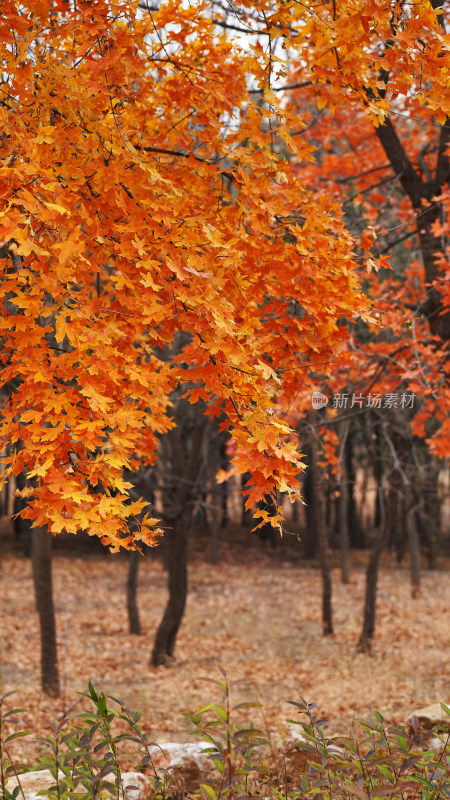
(146,193)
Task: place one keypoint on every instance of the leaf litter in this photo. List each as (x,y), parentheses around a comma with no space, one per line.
(256,612)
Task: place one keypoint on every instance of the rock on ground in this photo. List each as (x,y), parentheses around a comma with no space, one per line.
(176,754)
(432,715)
(135,784)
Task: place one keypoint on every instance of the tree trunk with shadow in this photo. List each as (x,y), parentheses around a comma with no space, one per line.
(344,538)
(378,544)
(309,539)
(181,454)
(317,497)
(42,574)
(132,579)
(165,638)
(411,508)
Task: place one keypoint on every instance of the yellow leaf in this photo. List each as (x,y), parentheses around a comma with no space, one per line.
(40,471)
(59,209)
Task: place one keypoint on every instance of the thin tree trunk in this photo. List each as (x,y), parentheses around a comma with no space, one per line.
(378,475)
(322,541)
(432,509)
(354,526)
(368,629)
(310,538)
(396,529)
(133,611)
(216,512)
(344,538)
(42,573)
(224,504)
(365,640)
(414,544)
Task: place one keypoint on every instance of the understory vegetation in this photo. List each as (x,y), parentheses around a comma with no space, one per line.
(86,755)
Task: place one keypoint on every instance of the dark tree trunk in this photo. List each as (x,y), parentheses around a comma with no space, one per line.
(309,539)
(322,541)
(132,580)
(182,455)
(247,518)
(344,538)
(224,463)
(178,585)
(378,475)
(214,538)
(427,534)
(224,503)
(413,543)
(42,573)
(365,640)
(354,528)
(422,194)
(22,527)
(431,517)
(379,542)
(396,529)
(216,518)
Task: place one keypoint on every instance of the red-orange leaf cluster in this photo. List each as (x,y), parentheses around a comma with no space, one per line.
(145,193)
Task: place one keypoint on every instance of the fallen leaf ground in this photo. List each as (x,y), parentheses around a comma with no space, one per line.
(256,611)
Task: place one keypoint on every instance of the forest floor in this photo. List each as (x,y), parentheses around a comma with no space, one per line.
(257,612)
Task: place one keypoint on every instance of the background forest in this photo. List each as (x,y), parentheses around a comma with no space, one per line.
(225,308)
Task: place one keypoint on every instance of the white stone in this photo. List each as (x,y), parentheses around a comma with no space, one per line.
(34,782)
(137,780)
(180,754)
(432,715)
(435,744)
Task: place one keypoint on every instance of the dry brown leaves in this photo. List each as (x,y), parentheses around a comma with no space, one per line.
(256,612)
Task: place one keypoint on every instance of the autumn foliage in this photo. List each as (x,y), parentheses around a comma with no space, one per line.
(164,223)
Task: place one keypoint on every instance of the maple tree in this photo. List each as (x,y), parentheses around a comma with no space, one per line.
(398,173)
(143,194)
(389,166)
(164,180)
(370,84)
(147,190)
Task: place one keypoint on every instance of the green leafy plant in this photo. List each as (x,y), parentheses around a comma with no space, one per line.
(231,748)
(7,765)
(84,761)
(374,761)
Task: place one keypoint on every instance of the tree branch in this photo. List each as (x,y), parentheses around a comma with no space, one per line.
(400,162)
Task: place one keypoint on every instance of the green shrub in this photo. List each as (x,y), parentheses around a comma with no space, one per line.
(374,761)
